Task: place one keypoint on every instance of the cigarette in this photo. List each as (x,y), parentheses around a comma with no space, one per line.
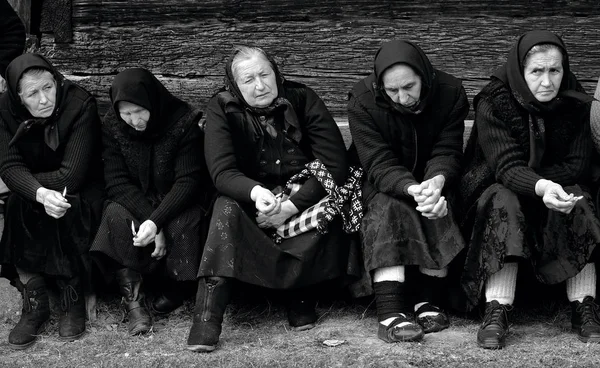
(133,229)
(64,192)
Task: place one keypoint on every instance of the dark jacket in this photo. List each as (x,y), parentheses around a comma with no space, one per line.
(498,149)
(234,147)
(12,35)
(397,150)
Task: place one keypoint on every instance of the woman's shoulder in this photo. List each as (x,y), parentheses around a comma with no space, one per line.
(497,99)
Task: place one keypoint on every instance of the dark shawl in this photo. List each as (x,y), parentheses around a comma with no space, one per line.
(405,52)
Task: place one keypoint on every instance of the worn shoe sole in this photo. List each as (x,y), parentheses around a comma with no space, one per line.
(494,345)
(591,339)
(202,348)
(303,327)
(71,338)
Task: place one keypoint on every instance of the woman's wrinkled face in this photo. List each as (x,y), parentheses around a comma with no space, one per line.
(38,94)
(543,74)
(135,116)
(256,80)
(402,85)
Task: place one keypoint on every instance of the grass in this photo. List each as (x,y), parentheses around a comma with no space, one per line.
(257,335)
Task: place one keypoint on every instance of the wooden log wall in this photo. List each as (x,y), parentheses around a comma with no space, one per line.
(329,45)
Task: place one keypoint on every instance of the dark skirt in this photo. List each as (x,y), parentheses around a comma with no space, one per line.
(184,235)
(558,245)
(394,233)
(237,248)
(37,243)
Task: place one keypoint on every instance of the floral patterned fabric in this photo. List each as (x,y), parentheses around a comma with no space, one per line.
(558,245)
(237,248)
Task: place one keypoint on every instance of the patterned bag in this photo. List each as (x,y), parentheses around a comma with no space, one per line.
(320,214)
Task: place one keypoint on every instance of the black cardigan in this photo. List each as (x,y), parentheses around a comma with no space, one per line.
(397,150)
(173,163)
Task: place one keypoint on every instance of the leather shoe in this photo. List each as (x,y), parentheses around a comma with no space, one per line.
(395,333)
(494,328)
(432,323)
(585,320)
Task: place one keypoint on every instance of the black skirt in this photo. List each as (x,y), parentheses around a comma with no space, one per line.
(394,233)
(504,224)
(184,235)
(237,248)
(37,243)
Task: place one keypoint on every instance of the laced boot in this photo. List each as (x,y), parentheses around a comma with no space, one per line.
(71,323)
(130,287)
(585,320)
(36,311)
(494,328)
(212,298)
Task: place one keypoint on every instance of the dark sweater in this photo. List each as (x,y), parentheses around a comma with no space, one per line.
(12,35)
(233,150)
(31,164)
(498,148)
(172,165)
(397,150)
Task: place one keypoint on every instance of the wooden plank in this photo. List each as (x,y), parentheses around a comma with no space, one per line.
(23,9)
(328,53)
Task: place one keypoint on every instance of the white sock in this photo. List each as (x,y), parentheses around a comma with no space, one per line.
(501,286)
(25,276)
(434,273)
(583,284)
(393,273)
(386,322)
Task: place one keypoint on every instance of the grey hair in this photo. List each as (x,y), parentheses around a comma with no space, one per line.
(33,73)
(542,47)
(243,53)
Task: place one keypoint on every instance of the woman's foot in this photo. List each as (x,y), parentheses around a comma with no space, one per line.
(302,315)
(399,329)
(431,318)
(585,320)
(494,328)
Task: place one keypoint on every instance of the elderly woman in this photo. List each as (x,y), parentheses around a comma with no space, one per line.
(407,123)
(261,130)
(50,161)
(527,162)
(158,194)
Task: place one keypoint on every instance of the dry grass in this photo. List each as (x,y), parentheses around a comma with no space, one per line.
(257,335)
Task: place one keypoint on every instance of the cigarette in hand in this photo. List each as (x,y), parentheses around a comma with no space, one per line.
(64,193)
(133,229)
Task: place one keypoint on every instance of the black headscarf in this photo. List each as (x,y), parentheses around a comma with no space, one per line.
(291,124)
(16,114)
(511,73)
(139,86)
(405,52)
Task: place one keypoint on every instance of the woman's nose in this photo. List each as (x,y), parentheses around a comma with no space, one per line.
(546,80)
(403,98)
(43,98)
(259,84)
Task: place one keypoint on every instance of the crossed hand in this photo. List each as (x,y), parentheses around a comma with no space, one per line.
(271,210)
(428,196)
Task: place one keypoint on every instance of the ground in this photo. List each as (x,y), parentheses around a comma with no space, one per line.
(257,335)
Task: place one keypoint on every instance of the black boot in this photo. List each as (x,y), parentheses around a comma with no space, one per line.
(301,312)
(71,324)
(212,298)
(494,328)
(36,311)
(585,320)
(130,287)
(171,297)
